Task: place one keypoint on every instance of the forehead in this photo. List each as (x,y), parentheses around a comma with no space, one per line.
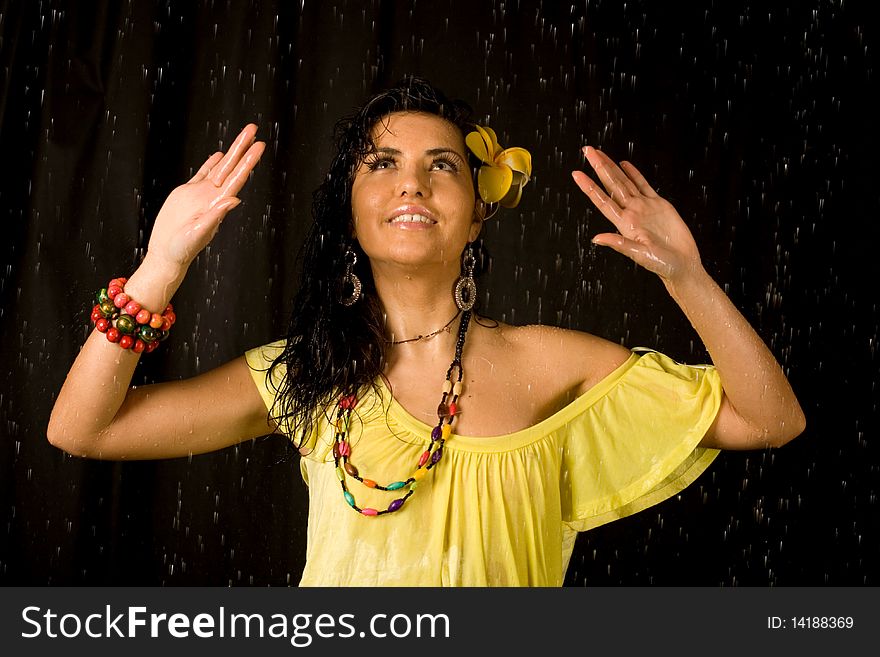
(417,130)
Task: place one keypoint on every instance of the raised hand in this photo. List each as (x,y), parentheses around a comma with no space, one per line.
(193,212)
(650,231)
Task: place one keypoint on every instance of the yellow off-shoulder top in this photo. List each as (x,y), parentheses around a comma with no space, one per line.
(501,510)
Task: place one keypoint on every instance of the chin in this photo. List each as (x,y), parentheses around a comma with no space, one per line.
(412,257)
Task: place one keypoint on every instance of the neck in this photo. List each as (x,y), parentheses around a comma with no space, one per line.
(417,304)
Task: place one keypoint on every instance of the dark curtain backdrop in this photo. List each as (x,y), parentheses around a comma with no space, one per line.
(755,119)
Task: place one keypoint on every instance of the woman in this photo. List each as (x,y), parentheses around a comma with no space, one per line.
(439,448)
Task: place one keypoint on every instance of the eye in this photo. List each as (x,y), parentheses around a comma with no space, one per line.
(444,164)
(379,162)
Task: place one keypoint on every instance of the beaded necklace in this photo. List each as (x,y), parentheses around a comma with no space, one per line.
(430,457)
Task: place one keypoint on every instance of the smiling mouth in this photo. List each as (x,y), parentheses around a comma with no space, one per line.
(412,219)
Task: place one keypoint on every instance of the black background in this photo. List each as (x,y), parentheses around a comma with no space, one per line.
(755,119)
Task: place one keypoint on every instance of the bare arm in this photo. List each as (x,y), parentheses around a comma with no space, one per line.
(96,413)
(759,408)
(205,413)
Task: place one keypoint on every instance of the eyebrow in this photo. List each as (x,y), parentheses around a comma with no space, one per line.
(430,151)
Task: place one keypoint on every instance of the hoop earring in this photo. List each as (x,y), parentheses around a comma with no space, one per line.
(350,280)
(465,288)
(491,210)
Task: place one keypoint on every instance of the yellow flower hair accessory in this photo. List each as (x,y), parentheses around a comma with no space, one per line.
(504,172)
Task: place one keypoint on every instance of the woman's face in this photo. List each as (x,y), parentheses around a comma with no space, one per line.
(413,200)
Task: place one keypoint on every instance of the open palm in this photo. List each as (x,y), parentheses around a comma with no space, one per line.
(192,213)
(650,230)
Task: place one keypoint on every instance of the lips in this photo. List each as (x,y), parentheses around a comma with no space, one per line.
(412,219)
(411,214)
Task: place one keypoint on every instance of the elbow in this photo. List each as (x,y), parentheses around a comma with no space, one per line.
(791,429)
(799,425)
(63,439)
(57,437)
(55,434)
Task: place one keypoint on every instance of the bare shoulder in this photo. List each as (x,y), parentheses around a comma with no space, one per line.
(577,359)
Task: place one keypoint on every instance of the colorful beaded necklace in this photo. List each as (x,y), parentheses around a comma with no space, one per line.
(430,457)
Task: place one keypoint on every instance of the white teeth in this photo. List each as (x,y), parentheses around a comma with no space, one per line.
(411,218)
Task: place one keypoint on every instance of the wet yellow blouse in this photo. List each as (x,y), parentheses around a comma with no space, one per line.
(502,510)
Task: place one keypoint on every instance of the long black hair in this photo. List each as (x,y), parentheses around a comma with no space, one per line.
(333,349)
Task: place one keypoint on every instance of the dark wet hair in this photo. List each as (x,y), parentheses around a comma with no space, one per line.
(332,349)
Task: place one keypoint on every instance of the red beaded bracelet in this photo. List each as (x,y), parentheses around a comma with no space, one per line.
(126,323)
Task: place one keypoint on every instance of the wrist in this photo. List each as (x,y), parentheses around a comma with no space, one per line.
(154,282)
(694,281)
(128,322)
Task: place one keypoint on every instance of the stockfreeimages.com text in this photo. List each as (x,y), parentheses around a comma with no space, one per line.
(300,629)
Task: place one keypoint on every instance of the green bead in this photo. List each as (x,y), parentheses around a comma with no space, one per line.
(163,335)
(396,485)
(102,295)
(340,473)
(413,485)
(126,324)
(349,498)
(107,308)
(148,333)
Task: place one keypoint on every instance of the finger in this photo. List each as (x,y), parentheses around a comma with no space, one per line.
(224,207)
(611,175)
(222,204)
(233,155)
(635,251)
(209,222)
(636,176)
(209,164)
(236,180)
(600,199)
(616,182)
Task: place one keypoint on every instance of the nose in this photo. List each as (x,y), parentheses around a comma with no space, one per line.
(413,181)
